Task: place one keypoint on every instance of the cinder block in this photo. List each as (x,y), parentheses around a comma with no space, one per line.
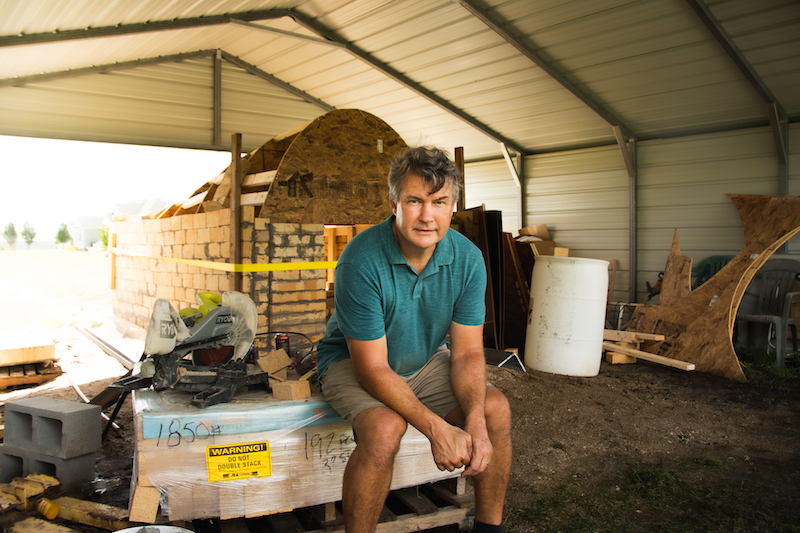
(19,462)
(53,427)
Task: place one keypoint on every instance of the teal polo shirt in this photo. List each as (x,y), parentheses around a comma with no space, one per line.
(377,293)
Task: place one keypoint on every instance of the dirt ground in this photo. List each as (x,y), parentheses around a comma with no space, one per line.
(576,433)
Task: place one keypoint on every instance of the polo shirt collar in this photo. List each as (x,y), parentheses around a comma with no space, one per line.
(442,255)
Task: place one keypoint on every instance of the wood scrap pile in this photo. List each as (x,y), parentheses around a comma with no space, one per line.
(697,325)
(28,504)
(26,363)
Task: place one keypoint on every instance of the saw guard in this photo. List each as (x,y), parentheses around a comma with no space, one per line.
(245,320)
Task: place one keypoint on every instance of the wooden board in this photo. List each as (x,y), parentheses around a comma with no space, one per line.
(35,374)
(16,353)
(92,514)
(698,326)
(334,172)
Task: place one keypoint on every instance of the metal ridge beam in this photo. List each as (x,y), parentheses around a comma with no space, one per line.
(498,27)
(71,73)
(401,78)
(252,69)
(141,27)
(725,40)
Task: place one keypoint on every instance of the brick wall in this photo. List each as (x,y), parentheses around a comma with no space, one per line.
(291,300)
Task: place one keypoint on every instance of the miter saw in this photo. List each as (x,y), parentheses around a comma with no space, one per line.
(201,350)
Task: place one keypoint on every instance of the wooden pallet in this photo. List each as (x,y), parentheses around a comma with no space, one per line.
(411,509)
(28,374)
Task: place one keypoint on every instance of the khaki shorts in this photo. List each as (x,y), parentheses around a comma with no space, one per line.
(430,384)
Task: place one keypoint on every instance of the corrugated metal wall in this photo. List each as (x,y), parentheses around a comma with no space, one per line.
(490,183)
(683,184)
(582,197)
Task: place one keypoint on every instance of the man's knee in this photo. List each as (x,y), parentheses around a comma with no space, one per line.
(497,409)
(379,431)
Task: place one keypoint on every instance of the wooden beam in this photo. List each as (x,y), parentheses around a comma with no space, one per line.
(630,336)
(458,157)
(616,348)
(236,210)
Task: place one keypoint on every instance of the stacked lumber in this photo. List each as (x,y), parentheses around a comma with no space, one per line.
(623,347)
(28,363)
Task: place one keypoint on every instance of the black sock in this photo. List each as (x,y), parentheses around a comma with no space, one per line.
(480,527)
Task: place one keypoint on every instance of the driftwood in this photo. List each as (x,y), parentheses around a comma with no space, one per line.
(698,325)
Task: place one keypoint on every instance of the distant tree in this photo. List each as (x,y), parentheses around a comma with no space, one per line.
(63,235)
(10,234)
(28,233)
(102,234)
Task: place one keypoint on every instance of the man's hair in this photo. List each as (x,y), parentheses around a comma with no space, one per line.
(431,164)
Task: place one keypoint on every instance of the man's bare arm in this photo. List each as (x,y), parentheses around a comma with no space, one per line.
(468,377)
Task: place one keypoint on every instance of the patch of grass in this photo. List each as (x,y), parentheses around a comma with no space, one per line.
(695,496)
(557,446)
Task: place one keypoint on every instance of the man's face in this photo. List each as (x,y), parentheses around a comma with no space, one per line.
(423,218)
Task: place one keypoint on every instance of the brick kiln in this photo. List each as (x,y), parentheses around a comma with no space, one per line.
(331,171)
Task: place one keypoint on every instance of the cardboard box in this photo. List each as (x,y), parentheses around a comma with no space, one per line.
(539,230)
(253,456)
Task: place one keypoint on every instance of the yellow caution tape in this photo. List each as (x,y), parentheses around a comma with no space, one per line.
(233,267)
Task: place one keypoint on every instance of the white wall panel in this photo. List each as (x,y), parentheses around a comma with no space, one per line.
(582,197)
(682,186)
(490,183)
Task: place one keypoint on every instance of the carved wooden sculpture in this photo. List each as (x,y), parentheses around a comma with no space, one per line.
(698,325)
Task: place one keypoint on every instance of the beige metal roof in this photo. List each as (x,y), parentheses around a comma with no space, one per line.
(539,75)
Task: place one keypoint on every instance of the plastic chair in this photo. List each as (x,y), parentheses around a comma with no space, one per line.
(705,269)
(779,281)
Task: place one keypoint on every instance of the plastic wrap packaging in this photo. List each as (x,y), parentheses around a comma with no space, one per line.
(250,457)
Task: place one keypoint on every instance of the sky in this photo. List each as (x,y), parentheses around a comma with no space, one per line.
(48,182)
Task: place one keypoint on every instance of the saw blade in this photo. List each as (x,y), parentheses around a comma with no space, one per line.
(245,320)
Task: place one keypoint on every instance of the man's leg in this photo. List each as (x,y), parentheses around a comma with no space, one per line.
(368,474)
(491,484)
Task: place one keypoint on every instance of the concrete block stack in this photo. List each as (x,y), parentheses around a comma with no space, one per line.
(49,436)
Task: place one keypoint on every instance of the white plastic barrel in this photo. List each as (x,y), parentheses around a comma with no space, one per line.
(566,316)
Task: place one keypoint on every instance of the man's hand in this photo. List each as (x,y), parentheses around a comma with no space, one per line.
(451,446)
(481,452)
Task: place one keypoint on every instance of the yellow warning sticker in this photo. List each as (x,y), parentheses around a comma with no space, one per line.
(238,461)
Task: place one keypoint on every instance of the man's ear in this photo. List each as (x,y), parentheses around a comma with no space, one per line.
(394,207)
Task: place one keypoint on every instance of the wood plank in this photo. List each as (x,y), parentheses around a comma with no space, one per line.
(284,523)
(459,500)
(236,525)
(444,517)
(144,502)
(630,336)
(415,500)
(19,353)
(683,365)
(92,514)
(259,178)
(254,198)
(35,379)
(37,525)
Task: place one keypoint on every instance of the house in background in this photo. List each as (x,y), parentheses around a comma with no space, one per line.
(84,230)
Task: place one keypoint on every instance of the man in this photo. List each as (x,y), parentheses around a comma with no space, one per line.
(400,286)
